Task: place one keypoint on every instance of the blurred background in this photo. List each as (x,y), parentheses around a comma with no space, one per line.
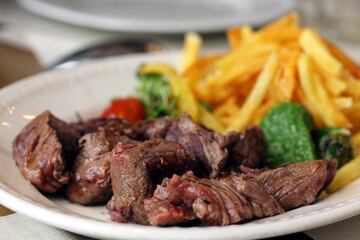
(38,35)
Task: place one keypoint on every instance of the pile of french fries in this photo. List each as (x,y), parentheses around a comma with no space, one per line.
(280,62)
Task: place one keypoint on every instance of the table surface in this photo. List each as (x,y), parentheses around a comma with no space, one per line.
(50,41)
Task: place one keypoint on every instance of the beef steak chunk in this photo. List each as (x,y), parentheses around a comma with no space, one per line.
(247,148)
(156,128)
(114,125)
(216,202)
(215,152)
(135,170)
(91,183)
(162,212)
(44,151)
(208,148)
(237,198)
(296,185)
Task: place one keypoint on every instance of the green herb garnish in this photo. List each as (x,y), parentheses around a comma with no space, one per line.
(155,93)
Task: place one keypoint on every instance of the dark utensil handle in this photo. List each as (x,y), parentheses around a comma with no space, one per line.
(295,236)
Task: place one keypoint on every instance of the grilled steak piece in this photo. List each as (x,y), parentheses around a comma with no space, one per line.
(45,150)
(236,198)
(216,202)
(135,170)
(157,128)
(161,212)
(296,185)
(215,152)
(208,148)
(114,125)
(247,148)
(90,183)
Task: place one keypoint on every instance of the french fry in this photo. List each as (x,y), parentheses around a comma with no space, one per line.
(246,32)
(316,93)
(299,94)
(288,21)
(234,36)
(306,83)
(345,175)
(209,120)
(353,114)
(288,81)
(161,68)
(186,99)
(317,50)
(198,69)
(285,79)
(356,143)
(228,107)
(282,36)
(341,56)
(240,72)
(343,102)
(329,109)
(247,51)
(353,88)
(334,85)
(256,95)
(284,82)
(196,73)
(191,51)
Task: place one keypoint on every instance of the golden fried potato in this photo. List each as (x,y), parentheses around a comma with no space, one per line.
(256,95)
(350,65)
(191,51)
(186,99)
(345,175)
(315,47)
(157,67)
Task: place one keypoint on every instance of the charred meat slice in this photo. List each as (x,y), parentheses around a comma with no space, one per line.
(157,128)
(162,212)
(296,185)
(247,148)
(45,150)
(215,152)
(208,148)
(219,202)
(136,169)
(91,182)
(236,198)
(114,125)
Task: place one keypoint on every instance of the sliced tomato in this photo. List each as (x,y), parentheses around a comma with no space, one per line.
(130,109)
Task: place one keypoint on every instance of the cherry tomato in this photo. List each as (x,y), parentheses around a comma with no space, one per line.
(130,109)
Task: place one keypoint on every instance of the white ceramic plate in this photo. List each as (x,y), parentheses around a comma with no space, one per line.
(87,90)
(160,16)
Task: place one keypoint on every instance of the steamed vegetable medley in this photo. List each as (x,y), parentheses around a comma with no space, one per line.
(302,90)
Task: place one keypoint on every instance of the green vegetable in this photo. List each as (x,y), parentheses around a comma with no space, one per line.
(287,131)
(334,143)
(155,93)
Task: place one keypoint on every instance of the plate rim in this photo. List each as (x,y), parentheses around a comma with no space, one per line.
(80,224)
(57,13)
